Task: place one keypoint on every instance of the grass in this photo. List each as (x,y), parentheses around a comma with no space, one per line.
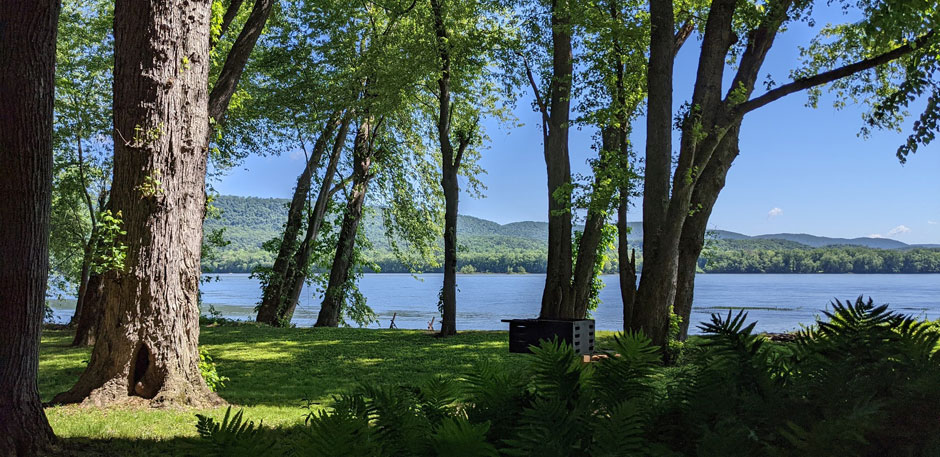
(275,375)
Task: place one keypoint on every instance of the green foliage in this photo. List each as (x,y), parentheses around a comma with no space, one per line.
(231,437)
(110,252)
(210,373)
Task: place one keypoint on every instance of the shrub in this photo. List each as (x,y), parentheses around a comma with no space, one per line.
(209,372)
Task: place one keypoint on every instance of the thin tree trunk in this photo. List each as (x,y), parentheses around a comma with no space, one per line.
(449,183)
(646,312)
(147,348)
(87,325)
(334,297)
(276,290)
(297,274)
(556,296)
(27,76)
(237,57)
(626,262)
(449,292)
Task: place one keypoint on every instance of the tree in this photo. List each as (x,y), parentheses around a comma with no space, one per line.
(463,41)
(148,338)
(82,156)
(27,82)
(389,155)
(674,228)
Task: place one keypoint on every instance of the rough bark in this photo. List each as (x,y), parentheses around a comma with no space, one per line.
(334,297)
(276,290)
(27,50)
(297,274)
(556,295)
(147,348)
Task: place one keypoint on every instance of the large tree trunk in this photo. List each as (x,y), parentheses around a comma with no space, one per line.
(334,297)
(276,290)
(297,274)
(657,290)
(27,76)
(556,296)
(147,348)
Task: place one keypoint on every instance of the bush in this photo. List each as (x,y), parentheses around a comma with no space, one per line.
(209,372)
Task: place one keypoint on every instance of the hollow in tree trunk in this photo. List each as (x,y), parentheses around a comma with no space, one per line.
(27,53)
(147,341)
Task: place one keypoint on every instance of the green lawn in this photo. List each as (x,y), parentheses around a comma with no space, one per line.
(274,374)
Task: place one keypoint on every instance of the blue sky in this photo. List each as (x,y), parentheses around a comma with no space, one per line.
(801,170)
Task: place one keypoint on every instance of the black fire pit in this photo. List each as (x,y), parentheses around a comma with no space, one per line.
(579,334)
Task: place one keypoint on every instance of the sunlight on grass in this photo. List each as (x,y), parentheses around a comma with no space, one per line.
(275,374)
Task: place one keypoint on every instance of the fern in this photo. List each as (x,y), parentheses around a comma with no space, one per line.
(233,436)
(457,437)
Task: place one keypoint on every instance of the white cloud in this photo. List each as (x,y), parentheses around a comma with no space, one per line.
(875,235)
(297,154)
(899,230)
(774,213)
(933,222)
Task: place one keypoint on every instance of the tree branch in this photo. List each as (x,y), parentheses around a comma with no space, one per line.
(831,75)
(227,19)
(538,98)
(682,35)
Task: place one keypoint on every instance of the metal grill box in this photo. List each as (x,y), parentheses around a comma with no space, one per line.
(579,334)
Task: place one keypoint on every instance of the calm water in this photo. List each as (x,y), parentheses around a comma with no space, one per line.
(777,302)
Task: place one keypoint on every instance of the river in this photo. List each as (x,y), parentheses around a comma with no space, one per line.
(778,302)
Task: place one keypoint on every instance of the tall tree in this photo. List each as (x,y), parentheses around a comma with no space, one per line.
(465,39)
(712,122)
(148,338)
(83,158)
(27,82)
(391,162)
(554,106)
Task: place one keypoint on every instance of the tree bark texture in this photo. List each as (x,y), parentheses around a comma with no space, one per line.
(27,76)
(147,342)
(556,295)
(334,298)
(297,273)
(709,113)
(275,291)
